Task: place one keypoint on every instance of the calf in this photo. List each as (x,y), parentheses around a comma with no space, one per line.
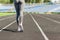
(19,6)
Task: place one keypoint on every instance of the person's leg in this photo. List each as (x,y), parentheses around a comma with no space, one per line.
(17,13)
(21,18)
(17,7)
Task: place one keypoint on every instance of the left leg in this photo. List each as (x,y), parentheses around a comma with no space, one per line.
(21,20)
(20,27)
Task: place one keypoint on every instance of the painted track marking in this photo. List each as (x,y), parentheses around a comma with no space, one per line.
(44,35)
(8,25)
(5,18)
(51,19)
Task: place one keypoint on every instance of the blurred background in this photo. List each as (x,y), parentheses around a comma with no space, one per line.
(37,6)
(31,1)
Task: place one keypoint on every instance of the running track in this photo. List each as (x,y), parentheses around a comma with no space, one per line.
(36,27)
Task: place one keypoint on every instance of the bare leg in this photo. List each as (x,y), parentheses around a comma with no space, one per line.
(20,25)
(19,15)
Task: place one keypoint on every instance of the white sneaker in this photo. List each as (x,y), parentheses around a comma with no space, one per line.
(20,28)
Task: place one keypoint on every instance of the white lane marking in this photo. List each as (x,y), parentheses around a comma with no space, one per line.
(44,35)
(6,18)
(51,19)
(8,25)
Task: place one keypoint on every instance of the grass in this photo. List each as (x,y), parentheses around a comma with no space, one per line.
(55,12)
(52,12)
(6,14)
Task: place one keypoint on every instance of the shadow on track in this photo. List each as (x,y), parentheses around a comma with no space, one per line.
(10,30)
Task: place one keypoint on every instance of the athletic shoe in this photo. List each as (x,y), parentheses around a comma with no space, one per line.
(20,28)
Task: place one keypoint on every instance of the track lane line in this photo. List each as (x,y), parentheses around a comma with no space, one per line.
(51,19)
(6,18)
(39,27)
(9,24)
